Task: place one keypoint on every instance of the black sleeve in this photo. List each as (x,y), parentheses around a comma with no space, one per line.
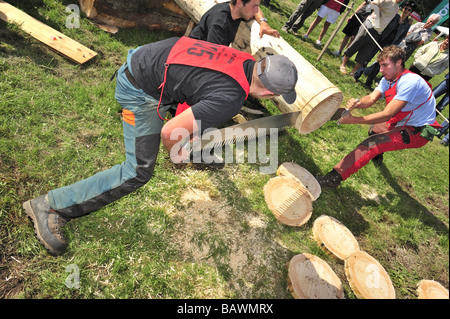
(216,110)
(218,35)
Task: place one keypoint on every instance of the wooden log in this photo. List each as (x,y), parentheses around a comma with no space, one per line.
(317,98)
(309,277)
(288,200)
(367,277)
(301,175)
(150,14)
(334,238)
(430,289)
(47,35)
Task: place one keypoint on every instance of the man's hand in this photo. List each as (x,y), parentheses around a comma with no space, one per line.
(353,104)
(266,29)
(175,132)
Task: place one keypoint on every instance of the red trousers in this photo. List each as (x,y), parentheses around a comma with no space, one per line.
(382,140)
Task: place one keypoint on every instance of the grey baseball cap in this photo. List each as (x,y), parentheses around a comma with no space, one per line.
(279,75)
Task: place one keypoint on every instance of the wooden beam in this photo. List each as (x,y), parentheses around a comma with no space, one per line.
(47,35)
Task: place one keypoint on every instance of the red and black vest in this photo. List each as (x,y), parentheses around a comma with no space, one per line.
(389,96)
(202,54)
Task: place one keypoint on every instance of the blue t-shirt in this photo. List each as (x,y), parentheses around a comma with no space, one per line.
(413,89)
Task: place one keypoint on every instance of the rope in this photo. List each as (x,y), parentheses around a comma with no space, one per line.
(442,116)
(362,23)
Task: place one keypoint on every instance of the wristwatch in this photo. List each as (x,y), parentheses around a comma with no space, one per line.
(263,19)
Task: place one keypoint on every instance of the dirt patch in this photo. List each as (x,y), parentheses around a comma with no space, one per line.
(11,281)
(213,232)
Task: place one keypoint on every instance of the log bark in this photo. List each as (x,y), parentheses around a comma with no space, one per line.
(317,98)
(301,175)
(150,14)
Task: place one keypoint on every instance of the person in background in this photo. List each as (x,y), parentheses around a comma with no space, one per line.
(353,24)
(298,17)
(220,23)
(392,35)
(431,59)
(331,10)
(383,12)
(419,34)
(440,89)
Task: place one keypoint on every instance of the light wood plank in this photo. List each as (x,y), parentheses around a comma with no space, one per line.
(47,35)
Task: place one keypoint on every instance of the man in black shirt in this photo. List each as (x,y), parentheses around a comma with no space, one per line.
(220,23)
(215,80)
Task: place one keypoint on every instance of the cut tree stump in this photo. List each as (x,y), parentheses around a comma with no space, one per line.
(367,277)
(309,277)
(149,14)
(45,34)
(303,176)
(288,200)
(430,289)
(317,98)
(334,238)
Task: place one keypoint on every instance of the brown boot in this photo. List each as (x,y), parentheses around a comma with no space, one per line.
(48,224)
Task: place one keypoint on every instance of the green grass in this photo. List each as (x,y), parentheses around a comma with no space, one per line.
(189,233)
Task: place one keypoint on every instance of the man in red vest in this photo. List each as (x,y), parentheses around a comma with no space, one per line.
(214,79)
(410,109)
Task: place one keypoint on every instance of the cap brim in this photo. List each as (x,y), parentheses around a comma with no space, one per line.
(290,97)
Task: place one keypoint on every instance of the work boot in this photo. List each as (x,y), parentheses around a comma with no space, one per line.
(378,160)
(331,180)
(48,224)
(209,160)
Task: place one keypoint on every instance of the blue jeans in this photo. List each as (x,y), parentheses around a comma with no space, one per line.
(438,91)
(141,130)
(444,130)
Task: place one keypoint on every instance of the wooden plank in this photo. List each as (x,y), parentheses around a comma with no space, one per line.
(47,35)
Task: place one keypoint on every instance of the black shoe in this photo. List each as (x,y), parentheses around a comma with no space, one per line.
(208,160)
(331,180)
(378,160)
(444,143)
(48,224)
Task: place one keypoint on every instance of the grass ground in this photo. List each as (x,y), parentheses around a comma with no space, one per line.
(190,233)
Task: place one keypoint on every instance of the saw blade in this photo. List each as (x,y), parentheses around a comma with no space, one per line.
(245,131)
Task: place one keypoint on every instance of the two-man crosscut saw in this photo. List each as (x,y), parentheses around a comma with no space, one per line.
(246,131)
(249,130)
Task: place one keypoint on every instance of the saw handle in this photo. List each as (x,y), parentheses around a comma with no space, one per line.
(345,113)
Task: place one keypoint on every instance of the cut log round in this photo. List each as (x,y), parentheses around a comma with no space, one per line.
(317,98)
(303,176)
(309,277)
(430,289)
(334,238)
(288,200)
(367,277)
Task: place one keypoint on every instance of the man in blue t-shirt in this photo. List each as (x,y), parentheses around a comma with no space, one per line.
(410,108)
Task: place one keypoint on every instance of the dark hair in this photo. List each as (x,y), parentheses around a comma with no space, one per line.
(409,3)
(393,53)
(233,2)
